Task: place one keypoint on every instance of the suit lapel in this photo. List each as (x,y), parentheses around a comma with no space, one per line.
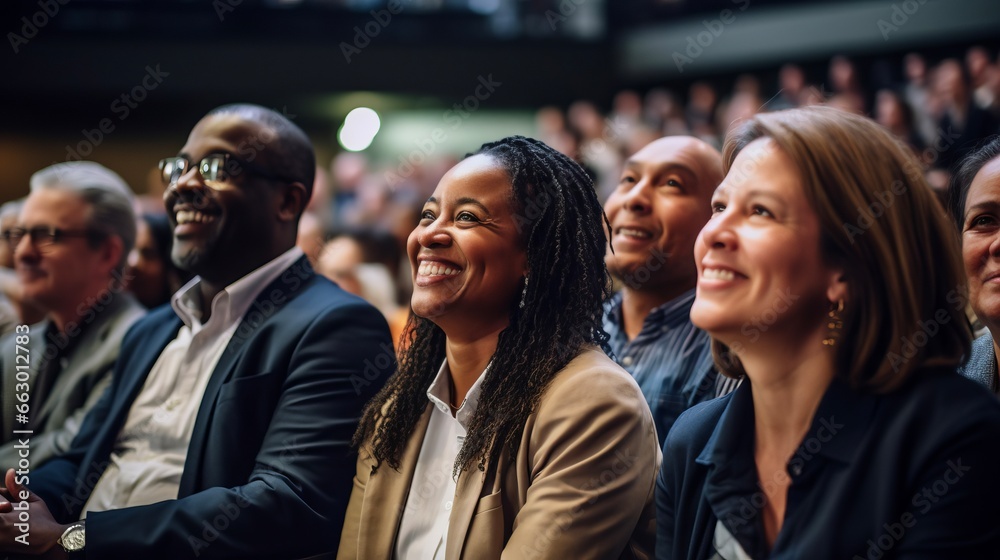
(226,366)
(468,489)
(134,379)
(385,498)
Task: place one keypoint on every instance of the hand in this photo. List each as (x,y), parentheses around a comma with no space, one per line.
(25,515)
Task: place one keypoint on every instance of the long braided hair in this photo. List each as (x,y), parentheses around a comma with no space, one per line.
(562,223)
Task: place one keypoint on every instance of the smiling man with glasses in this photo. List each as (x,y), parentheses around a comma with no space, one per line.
(69,242)
(226,431)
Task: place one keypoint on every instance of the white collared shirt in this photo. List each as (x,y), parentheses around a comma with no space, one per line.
(423,529)
(149,454)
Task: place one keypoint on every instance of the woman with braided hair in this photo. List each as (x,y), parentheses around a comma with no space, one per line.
(506,431)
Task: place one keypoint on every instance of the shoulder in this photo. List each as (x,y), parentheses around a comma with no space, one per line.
(693,428)
(980,365)
(592,377)
(937,397)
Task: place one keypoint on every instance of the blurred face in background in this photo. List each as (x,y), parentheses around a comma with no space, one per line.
(7,221)
(147,271)
(338,261)
(62,275)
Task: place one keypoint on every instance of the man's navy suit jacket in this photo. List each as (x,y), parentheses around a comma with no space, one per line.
(268,471)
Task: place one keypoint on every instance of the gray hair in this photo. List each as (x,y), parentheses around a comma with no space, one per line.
(108,195)
(12,208)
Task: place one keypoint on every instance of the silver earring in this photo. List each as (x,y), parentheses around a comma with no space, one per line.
(524,293)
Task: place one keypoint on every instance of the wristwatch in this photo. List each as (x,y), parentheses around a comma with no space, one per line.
(73,538)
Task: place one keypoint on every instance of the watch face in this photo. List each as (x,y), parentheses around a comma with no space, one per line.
(74,540)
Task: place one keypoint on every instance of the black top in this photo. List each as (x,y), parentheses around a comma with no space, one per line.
(911,474)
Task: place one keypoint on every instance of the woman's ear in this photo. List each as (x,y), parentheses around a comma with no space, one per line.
(837,289)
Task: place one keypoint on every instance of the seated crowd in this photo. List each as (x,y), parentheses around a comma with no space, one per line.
(745,353)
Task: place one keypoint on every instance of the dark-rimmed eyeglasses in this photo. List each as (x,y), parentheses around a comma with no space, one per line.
(213,168)
(43,237)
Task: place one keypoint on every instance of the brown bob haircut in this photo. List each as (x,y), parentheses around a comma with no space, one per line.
(880,222)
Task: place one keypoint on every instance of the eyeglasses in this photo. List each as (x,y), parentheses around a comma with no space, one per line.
(213,168)
(43,237)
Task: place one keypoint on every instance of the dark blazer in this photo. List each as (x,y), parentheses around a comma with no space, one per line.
(269,469)
(911,474)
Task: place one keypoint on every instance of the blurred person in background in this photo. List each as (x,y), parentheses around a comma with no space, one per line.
(851,411)
(916,93)
(984,77)
(846,85)
(660,205)
(700,112)
(962,124)
(14,308)
(975,207)
(152,275)
(892,112)
(365,262)
(310,236)
(599,143)
(71,243)
(505,410)
(791,85)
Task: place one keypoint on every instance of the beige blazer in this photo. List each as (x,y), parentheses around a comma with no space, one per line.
(581,485)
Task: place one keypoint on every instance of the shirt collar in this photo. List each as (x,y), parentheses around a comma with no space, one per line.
(235,299)
(438,394)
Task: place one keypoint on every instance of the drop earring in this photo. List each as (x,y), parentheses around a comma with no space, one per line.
(834,324)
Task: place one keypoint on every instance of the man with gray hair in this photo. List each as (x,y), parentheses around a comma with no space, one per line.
(70,244)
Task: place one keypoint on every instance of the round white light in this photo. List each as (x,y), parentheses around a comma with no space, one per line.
(359,129)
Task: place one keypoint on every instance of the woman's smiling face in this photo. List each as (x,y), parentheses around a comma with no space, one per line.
(467,257)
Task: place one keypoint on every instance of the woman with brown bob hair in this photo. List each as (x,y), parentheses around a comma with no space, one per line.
(829,277)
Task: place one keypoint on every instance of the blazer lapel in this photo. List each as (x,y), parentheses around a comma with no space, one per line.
(158,340)
(467,492)
(385,498)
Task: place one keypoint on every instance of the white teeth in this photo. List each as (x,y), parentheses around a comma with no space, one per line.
(188,216)
(434,269)
(635,233)
(718,274)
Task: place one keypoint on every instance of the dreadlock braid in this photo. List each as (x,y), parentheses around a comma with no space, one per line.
(561,222)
